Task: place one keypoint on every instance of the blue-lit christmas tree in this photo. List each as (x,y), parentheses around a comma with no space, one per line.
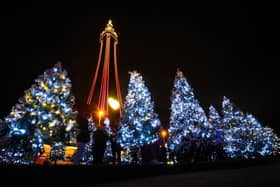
(260,141)
(216,123)
(265,141)
(139,123)
(217,127)
(187,119)
(23,144)
(244,136)
(234,130)
(44,115)
(214,118)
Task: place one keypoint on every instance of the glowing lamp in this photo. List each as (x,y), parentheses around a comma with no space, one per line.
(100,113)
(114,104)
(163,133)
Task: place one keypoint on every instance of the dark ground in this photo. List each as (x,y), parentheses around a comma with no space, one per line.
(262,175)
(263,172)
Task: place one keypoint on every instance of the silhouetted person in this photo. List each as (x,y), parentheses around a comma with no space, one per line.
(116,149)
(83,137)
(99,145)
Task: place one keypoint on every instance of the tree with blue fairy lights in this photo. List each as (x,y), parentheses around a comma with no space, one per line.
(44,115)
(139,123)
(265,141)
(234,130)
(214,118)
(23,143)
(216,123)
(188,121)
(244,136)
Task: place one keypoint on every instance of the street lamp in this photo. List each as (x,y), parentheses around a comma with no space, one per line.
(163,134)
(114,104)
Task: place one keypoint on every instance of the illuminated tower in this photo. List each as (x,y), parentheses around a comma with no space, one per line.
(101,106)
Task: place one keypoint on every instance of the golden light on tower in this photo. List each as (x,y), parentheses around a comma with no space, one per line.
(113,103)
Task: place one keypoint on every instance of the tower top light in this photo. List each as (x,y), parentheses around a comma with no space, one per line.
(109,29)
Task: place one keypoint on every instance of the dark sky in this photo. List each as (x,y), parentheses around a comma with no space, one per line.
(229,49)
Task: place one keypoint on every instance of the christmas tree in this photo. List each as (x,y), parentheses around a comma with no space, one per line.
(44,114)
(234,130)
(244,136)
(268,142)
(187,118)
(139,123)
(22,143)
(216,124)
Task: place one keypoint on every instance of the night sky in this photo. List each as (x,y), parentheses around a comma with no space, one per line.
(223,49)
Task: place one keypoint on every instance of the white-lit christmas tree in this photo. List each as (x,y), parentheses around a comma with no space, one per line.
(244,136)
(187,118)
(266,142)
(22,144)
(45,114)
(234,131)
(139,122)
(215,121)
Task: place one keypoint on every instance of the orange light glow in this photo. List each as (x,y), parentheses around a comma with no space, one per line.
(100,113)
(163,133)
